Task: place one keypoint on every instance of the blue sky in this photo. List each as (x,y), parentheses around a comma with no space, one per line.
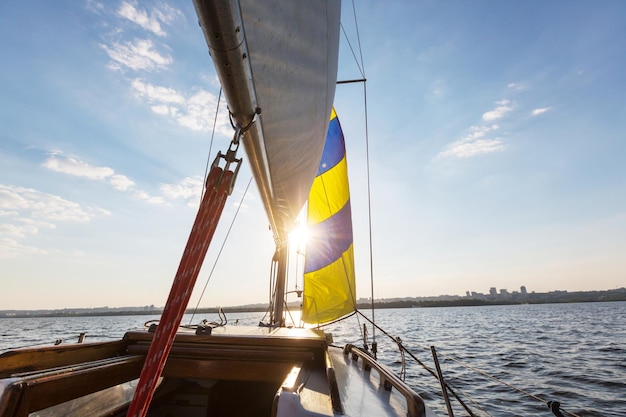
(497,151)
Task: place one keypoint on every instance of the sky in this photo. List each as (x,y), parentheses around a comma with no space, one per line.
(496,136)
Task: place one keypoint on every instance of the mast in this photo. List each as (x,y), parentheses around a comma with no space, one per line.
(277,318)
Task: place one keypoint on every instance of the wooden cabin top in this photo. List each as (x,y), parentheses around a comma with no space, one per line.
(243,335)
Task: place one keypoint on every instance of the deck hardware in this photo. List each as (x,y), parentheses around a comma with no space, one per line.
(203,330)
(555,407)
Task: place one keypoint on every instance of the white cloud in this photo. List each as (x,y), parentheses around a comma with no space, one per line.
(516,86)
(157,94)
(477,132)
(162,109)
(502,109)
(168,14)
(474,144)
(95,6)
(40,206)
(189,188)
(77,168)
(11,248)
(150,21)
(479,140)
(142,195)
(463,149)
(71,166)
(17,230)
(542,110)
(121,182)
(196,112)
(137,55)
(140,17)
(26,211)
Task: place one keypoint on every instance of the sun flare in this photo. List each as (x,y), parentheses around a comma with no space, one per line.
(298,237)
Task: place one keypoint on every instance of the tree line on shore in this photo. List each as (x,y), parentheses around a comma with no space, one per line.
(530,298)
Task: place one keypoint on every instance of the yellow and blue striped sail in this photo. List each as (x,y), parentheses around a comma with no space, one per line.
(329,283)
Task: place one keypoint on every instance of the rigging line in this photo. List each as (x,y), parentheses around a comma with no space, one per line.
(358,37)
(288,311)
(220,251)
(470,399)
(338,320)
(485,374)
(369,204)
(430,371)
(208,159)
(356,60)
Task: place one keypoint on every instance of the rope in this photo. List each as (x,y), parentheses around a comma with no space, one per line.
(217,258)
(550,404)
(218,186)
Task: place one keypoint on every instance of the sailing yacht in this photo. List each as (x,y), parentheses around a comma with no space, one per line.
(277,63)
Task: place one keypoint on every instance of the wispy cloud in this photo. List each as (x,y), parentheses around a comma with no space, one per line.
(142,195)
(474,143)
(481,138)
(462,149)
(25,211)
(189,189)
(72,166)
(150,21)
(43,207)
(11,248)
(503,107)
(139,54)
(140,17)
(121,182)
(516,86)
(539,111)
(157,94)
(195,112)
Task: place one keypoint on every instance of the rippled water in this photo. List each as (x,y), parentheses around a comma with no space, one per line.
(571,353)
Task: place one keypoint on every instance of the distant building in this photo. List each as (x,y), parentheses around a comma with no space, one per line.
(504,292)
(467,294)
(523,290)
(493,292)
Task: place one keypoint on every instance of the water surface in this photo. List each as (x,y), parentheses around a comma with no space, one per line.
(571,353)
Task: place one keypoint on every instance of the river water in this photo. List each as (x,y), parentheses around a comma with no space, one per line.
(571,353)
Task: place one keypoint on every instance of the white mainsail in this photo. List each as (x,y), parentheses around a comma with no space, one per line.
(291,79)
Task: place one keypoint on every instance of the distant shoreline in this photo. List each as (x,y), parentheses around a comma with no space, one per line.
(555,297)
